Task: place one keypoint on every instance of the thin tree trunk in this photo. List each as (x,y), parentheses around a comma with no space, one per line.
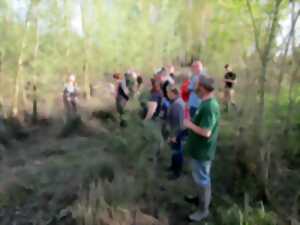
(86,51)
(264,151)
(34,87)
(294,19)
(19,79)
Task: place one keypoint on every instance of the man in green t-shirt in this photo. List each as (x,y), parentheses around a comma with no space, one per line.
(202,142)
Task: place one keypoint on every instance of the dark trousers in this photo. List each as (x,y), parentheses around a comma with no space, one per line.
(177,154)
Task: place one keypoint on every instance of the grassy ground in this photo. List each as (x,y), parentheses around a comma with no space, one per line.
(100,173)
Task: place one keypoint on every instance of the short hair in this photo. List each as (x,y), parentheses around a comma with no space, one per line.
(155,85)
(174,90)
(139,80)
(226,66)
(117,76)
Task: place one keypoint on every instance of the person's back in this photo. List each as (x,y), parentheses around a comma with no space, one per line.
(176,114)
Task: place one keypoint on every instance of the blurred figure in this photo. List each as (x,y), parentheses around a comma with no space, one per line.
(122,96)
(153,106)
(171,70)
(194,99)
(140,82)
(70,95)
(165,79)
(230,80)
(175,119)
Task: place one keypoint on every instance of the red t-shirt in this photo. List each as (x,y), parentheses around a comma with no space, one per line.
(184,90)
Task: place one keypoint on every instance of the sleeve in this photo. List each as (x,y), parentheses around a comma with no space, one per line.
(208,119)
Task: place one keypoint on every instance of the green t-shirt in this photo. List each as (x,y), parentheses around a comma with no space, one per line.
(207,117)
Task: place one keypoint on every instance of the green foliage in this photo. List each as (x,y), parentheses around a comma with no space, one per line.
(248,216)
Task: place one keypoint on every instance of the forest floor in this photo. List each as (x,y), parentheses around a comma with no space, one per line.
(55,178)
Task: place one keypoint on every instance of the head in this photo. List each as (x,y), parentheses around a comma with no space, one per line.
(173,93)
(162,73)
(72,79)
(155,85)
(227,68)
(117,76)
(197,67)
(171,69)
(206,86)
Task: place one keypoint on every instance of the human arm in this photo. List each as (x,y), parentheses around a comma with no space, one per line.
(196,129)
(204,123)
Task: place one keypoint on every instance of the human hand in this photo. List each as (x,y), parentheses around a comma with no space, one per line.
(187,123)
(172,140)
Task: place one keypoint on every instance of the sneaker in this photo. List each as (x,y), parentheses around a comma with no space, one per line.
(198,216)
(194,200)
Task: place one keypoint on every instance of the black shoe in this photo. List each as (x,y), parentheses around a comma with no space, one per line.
(194,200)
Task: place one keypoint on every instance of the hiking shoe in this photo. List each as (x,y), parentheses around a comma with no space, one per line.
(194,200)
(198,216)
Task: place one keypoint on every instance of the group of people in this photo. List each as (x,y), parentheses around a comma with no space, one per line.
(189,116)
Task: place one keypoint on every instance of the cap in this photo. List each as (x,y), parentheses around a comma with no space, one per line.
(207,82)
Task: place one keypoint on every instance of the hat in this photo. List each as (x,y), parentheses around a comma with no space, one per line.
(207,82)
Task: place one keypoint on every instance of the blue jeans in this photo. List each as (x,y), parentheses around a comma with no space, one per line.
(201,172)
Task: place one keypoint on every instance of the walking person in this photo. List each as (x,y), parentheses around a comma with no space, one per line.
(202,143)
(175,119)
(230,80)
(122,98)
(194,99)
(70,95)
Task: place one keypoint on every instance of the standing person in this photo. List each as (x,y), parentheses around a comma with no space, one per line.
(70,95)
(166,81)
(175,122)
(122,98)
(153,107)
(230,80)
(194,100)
(202,142)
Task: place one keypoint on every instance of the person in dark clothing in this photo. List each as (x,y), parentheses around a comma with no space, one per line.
(122,97)
(175,119)
(165,81)
(230,80)
(153,106)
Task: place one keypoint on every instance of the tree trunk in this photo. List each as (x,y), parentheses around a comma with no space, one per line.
(87,89)
(19,79)
(264,54)
(34,87)
(294,19)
